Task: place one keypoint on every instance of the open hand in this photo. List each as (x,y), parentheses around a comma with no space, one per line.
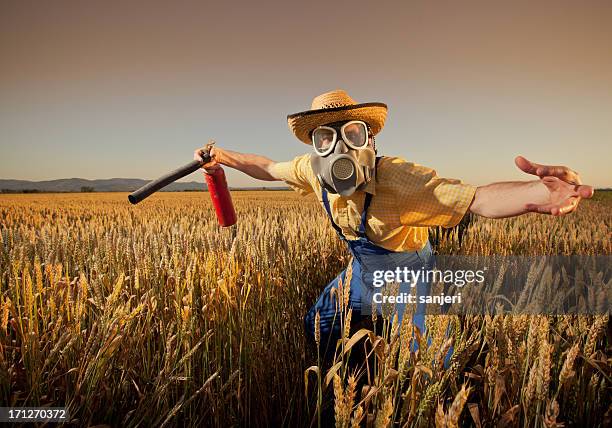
(564,185)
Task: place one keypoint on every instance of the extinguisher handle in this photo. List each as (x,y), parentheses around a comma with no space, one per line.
(164,180)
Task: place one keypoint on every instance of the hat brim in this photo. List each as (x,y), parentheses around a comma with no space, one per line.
(302,123)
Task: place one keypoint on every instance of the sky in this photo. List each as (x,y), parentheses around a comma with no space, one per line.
(103,89)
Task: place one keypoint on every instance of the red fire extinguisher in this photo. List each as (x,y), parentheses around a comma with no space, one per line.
(220,196)
(217,187)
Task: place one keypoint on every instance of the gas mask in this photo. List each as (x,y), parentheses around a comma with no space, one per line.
(344,162)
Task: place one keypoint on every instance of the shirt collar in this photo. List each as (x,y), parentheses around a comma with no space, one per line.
(370,187)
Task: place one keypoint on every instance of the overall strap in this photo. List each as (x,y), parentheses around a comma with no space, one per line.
(328,209)
(366,205)
(364,215)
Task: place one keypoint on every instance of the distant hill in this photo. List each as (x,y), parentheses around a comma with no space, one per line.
(131,184)
(80,184)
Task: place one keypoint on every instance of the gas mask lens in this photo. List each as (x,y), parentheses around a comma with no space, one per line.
(323,139)
(353,133)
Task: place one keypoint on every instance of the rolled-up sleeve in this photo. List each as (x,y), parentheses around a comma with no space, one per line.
(297,173)
(429,200)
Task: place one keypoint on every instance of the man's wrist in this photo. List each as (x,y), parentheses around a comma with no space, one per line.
(218,156)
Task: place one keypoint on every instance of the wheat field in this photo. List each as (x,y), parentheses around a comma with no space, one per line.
(153,315)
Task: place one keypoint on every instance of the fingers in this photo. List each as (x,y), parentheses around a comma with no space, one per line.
(559,171)
(197,155)
(212,165)
(562,172)
(552,209)
(566,207)
(204,152)
(585,191)
(579,191)
(524,165)
(569,206)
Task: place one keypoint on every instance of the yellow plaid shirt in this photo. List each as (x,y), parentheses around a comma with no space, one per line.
(407,199)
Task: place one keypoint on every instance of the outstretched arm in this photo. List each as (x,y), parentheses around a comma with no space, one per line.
(557,192)
(256,166)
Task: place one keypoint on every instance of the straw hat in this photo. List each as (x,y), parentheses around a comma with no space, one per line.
(336,106)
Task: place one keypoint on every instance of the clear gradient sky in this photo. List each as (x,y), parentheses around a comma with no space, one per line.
(101,89)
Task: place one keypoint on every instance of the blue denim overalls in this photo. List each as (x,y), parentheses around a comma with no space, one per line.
(367,258)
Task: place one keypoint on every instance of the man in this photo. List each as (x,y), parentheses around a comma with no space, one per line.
(383,207)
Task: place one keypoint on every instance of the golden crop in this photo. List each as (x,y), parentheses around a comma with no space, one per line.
(153,315)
